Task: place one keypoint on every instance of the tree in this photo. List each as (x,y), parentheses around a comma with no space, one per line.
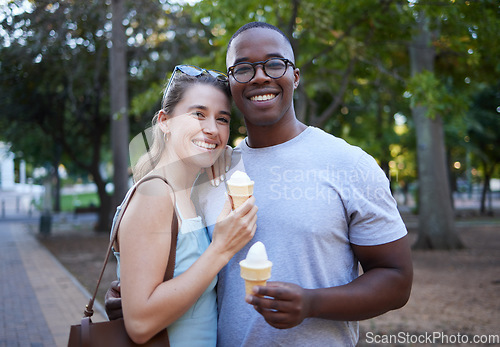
(53,78)
(436,216)
(119,102)
(342,49)
(353,56)
(346,49)
(444,61)
(483,130)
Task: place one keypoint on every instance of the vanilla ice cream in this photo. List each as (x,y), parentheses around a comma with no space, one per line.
(256,268)
(240,187)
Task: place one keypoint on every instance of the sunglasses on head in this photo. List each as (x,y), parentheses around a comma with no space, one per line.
(195,71)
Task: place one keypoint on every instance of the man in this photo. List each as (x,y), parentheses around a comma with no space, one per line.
(323,206)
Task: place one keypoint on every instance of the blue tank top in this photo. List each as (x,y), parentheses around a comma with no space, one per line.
(198,326)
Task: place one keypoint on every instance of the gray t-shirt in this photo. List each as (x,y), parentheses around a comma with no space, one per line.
(316,195)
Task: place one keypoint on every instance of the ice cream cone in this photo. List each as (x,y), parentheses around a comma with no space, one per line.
(239,194)
(240,187)
(238,200)
(254,277)
(255,269)
(250,284)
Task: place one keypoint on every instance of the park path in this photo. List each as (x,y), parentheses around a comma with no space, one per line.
(39,298)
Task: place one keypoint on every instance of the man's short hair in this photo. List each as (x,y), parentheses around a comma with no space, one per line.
(253,25)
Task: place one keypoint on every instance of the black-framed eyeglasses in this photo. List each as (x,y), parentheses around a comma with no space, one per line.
(195,71)
(244,72)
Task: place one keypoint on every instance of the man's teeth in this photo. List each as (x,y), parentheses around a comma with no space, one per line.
(205,144)
(263,97)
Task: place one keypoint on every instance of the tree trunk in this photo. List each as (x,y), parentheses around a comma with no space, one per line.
(103,222)
(453,178)
(486,188)
(379,134)
(436,217)
(56,179)
(119,103)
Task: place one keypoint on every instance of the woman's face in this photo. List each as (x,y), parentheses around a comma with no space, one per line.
(198,129)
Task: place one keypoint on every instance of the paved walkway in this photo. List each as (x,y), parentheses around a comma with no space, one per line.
(39,298)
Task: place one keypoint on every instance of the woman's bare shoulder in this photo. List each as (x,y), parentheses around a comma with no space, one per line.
(153,197)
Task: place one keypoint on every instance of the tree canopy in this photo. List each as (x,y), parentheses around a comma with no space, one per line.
(354,58)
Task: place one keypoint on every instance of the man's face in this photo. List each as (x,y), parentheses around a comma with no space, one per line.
(264,101)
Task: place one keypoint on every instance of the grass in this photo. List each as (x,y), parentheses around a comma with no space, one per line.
(70,202)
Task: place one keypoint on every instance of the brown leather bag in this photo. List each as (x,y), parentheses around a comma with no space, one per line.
(113,333)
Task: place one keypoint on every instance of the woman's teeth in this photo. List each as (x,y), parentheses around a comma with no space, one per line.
(263,97)
(205,144)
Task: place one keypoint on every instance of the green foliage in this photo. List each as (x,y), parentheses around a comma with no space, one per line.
(52,78)
(146,102)
(353,58)
(54,73)
(467,40)
(427,90)
(160,36)
(483,121)
(336,45)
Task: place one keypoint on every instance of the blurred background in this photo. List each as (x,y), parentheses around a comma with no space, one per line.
(414,83)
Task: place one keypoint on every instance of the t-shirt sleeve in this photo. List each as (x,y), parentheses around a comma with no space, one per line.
(373,216)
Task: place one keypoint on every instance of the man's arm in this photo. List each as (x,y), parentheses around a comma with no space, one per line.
(384,285)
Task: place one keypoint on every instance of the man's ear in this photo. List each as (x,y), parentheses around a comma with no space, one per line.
(163,121)
(296,78)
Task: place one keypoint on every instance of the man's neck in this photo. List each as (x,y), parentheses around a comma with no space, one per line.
(272,135)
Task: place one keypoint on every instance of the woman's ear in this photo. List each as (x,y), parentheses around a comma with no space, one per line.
(163,121)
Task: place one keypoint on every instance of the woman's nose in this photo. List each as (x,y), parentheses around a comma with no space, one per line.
(209,126)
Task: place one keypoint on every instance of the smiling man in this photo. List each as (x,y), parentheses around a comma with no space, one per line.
(317,227)
(267,106)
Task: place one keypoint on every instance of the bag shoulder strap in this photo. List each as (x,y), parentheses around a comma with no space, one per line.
(169,272)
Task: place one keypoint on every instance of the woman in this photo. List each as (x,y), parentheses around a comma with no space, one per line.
(189,133)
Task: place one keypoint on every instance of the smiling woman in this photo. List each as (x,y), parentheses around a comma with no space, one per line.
(180,99)
(198,128)
(188,134)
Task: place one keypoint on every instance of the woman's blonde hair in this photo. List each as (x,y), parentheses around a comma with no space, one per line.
(172,95)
